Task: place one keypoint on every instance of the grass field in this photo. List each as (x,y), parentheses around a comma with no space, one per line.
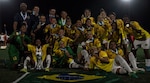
(7,75)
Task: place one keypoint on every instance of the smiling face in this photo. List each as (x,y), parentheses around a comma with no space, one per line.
(88,22)
(61,44)
(99,18)
(64,14)
(89,35)
(112,45)
(43,19)
(23,7)
(68,22)
(78,23)
(112,16)
(87,13)
(23,28)
(52,11)
(103,14)
(36,9)
(38,42)
(61,33)
(53,20)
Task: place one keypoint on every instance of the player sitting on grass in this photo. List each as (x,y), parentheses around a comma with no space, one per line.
(118,65)
(62,57)
(38,56)
(113,51)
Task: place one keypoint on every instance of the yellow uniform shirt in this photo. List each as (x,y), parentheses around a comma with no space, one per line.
(52,30)
(120,26)
(116,36)
(32,49)
(139,33)
(70,32)
(99,32)
(95,42)
(92,29)
(83,20)
(112,54)
(66,41)
(97,63)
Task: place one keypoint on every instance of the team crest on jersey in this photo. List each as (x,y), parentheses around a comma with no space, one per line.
(70,77)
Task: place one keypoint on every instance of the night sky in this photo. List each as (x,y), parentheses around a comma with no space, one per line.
(138,10)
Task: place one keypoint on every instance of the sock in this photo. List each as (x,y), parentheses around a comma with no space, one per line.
(25,62)
(132,60)
(48,60)
(86,56)
(147,62)
(122,71)
(123,63)
(72,64)
(75,65)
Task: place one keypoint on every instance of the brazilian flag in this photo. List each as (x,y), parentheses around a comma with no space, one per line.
(71,75)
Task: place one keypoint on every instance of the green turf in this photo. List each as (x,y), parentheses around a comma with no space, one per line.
(4,54)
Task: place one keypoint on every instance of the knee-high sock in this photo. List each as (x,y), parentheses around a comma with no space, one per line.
(132,60)
(48,61)
(72,64)
(123,63)
(147,62)
(79,48)
(26,61)
(86,56)
(122,71)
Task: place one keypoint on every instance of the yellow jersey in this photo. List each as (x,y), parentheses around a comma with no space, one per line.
(32,49)
(112,54)
(66,41)
(52,30)
(94,62)
(83,20)
(137,31)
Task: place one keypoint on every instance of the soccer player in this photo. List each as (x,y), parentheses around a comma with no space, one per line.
(17,49)
(85,54)
(105,28)
(87,15)
(141,38)
(38,56)
(118,65)
(119,24)
(51,30)
(113,51)
(63,57)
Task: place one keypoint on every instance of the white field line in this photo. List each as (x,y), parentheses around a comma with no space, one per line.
(16,81)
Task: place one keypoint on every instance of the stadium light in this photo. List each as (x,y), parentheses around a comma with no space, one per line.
(126,0)
(127,6)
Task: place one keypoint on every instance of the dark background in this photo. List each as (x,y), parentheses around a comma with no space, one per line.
(137,9)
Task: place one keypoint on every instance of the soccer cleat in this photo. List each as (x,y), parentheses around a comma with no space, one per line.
(133,75)
(139,70)
(24,70)
(147,68)
(47,69)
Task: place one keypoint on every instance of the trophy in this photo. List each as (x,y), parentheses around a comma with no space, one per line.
(39,65)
